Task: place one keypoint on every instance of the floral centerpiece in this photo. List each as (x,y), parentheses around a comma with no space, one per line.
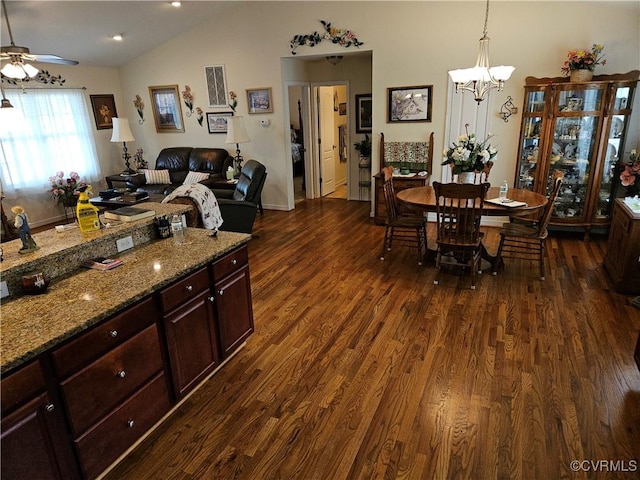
(139,161)
(65,190)
(583,60)
(469,155)
(631,170)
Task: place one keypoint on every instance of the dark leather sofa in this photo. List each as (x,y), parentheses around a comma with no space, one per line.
(180,161)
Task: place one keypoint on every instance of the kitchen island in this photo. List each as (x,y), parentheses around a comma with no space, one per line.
(90,366)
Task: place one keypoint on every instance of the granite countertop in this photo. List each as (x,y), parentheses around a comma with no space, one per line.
(33,324)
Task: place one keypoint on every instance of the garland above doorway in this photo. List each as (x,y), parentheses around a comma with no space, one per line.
(345,38)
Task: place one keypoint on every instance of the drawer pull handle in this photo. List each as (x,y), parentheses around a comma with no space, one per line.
(189,288)
(234,262)
(49,407)
(130,423)
(121,374)
(113,333)
(220,292)
(212,298)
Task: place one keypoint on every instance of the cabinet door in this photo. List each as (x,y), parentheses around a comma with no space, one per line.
(578,113)
(613,151)
(29,442)
(531,138)
(192,343)
(234,311)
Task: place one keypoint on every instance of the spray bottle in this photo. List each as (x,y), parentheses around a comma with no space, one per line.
(86,213)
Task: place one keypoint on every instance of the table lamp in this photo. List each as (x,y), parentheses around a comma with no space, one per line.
(122,133)
(237,134)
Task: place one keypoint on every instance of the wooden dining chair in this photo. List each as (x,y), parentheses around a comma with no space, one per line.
(458,214)
(525,239)
(402,228)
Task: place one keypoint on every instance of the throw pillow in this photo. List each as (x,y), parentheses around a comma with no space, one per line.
(195,177)
(157,177)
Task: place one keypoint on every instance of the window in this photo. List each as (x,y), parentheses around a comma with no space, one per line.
(52,133)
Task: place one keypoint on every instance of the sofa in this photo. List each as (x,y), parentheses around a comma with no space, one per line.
(211,163)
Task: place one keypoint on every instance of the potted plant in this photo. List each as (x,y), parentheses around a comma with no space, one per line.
(364,151)
(580,64)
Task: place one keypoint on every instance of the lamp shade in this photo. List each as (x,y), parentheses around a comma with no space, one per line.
(236,132)
(121,130)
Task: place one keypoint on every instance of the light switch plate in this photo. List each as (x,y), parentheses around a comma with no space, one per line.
(4,289)
(124,243)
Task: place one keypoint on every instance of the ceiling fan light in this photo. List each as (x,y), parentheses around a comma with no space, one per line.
(30,70)
(13,71)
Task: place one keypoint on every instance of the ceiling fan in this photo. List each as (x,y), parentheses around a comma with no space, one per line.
(17,57)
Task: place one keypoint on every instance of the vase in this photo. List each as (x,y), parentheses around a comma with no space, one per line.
(69,201)
(581,75)
(467,177)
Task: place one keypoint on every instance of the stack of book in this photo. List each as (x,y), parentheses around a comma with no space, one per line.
(128,214)
(134,196)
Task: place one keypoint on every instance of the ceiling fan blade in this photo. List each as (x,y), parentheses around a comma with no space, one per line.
(46,58)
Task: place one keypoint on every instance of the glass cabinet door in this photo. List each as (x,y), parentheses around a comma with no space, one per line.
(613,153)
(530,139)
(574,149)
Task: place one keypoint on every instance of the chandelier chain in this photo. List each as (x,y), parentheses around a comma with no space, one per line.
(486,20)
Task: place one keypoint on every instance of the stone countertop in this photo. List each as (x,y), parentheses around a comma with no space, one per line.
(33,324)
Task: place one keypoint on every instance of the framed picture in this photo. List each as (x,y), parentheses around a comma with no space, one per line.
(217,122)
(409,104)
(259,100)
(167,111)
(104,109)
(216,85)
(364,113)
(342,108)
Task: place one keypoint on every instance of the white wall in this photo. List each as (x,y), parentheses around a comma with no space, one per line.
(413,43)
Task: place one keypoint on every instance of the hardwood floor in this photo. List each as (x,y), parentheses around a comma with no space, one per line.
(364,369)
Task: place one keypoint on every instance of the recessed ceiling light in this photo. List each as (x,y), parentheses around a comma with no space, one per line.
(175,4)
(117,37)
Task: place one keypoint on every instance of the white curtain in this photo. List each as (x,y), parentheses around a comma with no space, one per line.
(51,132)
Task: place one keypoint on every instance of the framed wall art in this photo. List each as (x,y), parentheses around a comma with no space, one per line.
(104,109)
(217,122)
(216,85)
(167,111)
(259,100)
(409,104)
(364,113)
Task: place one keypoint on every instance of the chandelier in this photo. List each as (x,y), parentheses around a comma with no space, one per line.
(481,78)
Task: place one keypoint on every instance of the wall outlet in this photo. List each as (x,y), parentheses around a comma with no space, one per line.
(4,289)
(124,243)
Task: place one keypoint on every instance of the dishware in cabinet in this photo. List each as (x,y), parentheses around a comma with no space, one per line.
(577,128)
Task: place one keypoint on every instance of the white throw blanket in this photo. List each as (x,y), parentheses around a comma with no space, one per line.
(204,199)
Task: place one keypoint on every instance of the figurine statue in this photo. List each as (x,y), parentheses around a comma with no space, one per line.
(24,231)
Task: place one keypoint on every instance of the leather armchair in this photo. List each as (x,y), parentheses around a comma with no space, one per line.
(240,206)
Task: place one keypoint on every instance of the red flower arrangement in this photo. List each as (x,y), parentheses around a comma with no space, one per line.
(631,169)
(583,60)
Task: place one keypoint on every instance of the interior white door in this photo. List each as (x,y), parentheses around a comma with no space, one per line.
(327,142)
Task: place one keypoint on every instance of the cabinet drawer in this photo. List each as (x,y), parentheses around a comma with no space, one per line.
(100,339)
(21,385)
(184,290)
(102,445)
(229,263)
(98,388)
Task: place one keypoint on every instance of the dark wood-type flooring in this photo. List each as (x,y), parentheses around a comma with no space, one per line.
(363,369)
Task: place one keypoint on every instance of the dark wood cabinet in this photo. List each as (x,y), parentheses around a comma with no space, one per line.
(399,183)
(622,259)
(101,374)
(580,129)
(192,342)
(34,440)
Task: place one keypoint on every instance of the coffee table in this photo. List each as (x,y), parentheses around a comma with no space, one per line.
(115,202)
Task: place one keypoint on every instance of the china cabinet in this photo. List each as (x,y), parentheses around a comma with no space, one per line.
(578,128)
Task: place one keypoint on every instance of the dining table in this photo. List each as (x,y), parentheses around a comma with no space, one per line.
(424,199)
